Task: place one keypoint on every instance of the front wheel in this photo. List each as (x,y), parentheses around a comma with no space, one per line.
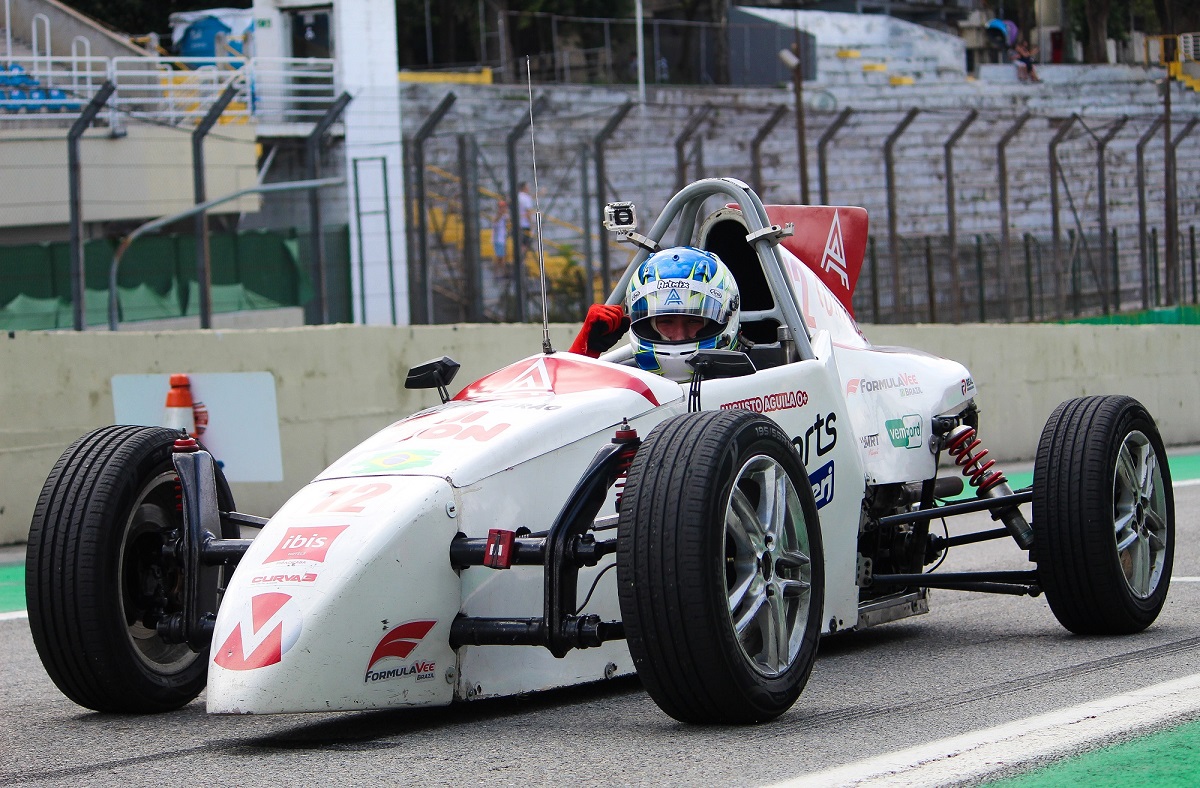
(1103,516)
(96,578)
(720,572)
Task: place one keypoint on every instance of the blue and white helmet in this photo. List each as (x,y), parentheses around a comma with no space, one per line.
(680,281)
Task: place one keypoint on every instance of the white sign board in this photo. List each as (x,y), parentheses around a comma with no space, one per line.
(243,421)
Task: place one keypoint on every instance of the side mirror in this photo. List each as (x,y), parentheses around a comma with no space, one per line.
(435,373)
(712,364)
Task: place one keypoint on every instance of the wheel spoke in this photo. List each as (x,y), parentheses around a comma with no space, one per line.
(793,589)
(1148,465)
(750,535)
(1127,473)
(1156,529)
(1123,523)
(1124,542)
(1142,566)
(792,559)
(742,622)
(777,633)
(741,589)
(778,522)
(769,506)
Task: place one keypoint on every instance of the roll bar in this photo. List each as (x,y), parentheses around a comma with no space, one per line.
(686,205)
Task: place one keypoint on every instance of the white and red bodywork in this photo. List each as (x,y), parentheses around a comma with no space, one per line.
(346,598)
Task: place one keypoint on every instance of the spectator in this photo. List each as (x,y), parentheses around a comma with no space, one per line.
(1023,56)
(500,230)
(525,210)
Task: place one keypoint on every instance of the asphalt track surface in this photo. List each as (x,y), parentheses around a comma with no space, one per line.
(975,661)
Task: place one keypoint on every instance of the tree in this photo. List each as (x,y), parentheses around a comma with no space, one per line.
(1095,49)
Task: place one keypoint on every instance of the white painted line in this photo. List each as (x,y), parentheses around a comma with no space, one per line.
(1186,483)
(973,756)
(14,616)
(1185,579)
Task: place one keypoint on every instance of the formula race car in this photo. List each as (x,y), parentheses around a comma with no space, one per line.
(783,494)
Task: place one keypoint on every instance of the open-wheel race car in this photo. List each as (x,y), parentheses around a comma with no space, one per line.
(784,493)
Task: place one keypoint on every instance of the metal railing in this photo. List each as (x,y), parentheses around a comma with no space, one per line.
(170,90)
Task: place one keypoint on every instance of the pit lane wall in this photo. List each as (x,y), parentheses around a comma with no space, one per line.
(337,384)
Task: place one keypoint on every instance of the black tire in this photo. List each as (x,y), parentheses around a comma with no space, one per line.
(1103,516)
(94,566)
(683,553)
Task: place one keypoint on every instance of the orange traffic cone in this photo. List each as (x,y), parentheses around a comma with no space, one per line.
(178,413)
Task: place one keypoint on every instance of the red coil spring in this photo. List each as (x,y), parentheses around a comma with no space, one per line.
(178,495)
(962,445)
(622,471)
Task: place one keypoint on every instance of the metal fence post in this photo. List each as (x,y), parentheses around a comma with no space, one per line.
(602,185)
(1154,264)
(822,141)
(979,277)
(1055,226)
(689,128)
(952,212)
(1102,200)
(1143,257)
(420,294)
(1005,247)
(930,280)
(75,200)
(585,212)
(1174,267)
(468,164)
(890,176)
(203,252)
(1029,274)
(1116,263)
(514,208)
(312,145)
(756,146)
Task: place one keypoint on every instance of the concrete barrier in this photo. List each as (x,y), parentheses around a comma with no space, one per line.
(335,385)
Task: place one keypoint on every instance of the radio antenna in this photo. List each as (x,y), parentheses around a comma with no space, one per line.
(547,348)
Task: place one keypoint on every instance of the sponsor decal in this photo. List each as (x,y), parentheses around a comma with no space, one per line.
(822,484)
(825,434)
(306,544)
(392,460)
(869,441)
(905,383)
(784,400)
(673,298)
(904,432)
(307,577)
(968,387)
(399,643)
(553,375)
(834,258)
(267,628)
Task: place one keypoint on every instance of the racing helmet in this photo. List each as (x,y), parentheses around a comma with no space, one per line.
(686,281)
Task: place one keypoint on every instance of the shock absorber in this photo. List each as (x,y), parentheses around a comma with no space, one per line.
(628,436)
(965,447)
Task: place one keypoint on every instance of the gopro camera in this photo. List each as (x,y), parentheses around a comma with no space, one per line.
(620,217)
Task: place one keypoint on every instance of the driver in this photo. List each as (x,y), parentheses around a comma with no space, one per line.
(680,300)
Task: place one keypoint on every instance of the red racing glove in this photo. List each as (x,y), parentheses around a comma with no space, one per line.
(602,328)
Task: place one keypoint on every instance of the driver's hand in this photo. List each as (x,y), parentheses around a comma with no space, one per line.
(603,327)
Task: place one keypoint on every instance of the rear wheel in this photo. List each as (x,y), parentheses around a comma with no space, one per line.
(720,569)
(96,578)
(1103,516)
